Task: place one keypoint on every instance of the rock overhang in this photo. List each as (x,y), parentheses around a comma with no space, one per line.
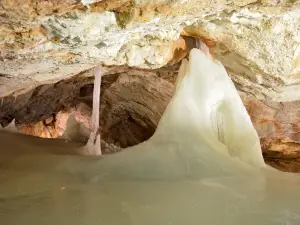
(257,41)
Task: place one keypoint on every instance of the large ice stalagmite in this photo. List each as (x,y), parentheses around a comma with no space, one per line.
(207,104)
(204,132)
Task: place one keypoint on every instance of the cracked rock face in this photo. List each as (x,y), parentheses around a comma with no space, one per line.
(46,41)
(48,49)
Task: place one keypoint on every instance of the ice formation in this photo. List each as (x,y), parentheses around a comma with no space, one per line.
(203,165)
(205,124)
(93,146)
(207,105)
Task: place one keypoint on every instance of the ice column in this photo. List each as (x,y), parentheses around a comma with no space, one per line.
(93,146)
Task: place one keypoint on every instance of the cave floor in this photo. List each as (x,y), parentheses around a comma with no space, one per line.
(45,181)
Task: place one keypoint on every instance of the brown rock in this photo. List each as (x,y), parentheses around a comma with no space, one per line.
(132,102)
(284,156)
(275,120)
(132,107)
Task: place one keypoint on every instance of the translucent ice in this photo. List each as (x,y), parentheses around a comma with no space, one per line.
(93,146)
(204,132)
(207,105)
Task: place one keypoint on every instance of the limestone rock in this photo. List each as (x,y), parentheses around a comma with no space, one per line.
(46,41)
(277,120)
(132,107)
(259,48)
(284,156)
(278,126)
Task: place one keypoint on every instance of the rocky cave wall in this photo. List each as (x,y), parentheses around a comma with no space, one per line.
(49,50)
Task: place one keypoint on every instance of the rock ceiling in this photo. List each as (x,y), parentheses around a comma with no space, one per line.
(46,41)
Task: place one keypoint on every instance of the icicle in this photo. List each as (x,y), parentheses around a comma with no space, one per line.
(93,146)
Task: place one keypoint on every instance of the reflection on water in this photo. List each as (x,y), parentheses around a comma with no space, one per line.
(202,166)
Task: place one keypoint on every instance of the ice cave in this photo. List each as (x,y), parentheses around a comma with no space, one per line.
(127,112)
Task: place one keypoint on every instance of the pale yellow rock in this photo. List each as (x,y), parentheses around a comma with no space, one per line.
(257,41)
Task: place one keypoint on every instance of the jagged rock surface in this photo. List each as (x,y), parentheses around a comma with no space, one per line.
(45,41)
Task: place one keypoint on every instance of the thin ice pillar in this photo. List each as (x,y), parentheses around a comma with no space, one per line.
(93,146)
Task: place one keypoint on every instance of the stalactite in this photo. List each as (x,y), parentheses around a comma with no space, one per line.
(93,146)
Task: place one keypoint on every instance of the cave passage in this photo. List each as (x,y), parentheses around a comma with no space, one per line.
(203,165)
